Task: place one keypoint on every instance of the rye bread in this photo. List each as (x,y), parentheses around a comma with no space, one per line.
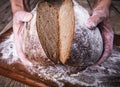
(51,16)
(59,26)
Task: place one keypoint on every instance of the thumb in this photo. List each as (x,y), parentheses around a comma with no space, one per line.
(93,21)
(18,20)
(97,17)
(23,16)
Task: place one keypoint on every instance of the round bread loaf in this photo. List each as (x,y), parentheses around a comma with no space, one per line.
(62,32)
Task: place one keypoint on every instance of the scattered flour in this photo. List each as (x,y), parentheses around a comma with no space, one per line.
(8,50)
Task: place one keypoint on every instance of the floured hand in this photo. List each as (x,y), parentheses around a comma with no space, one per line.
(100,15)
(19,18)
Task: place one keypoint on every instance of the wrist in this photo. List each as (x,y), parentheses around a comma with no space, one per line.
(14,10)
(17,5)
(102,4)
(102,8)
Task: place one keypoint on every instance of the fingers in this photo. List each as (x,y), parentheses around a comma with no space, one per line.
(107,35)
(18,21)
(97,17)
(24,60)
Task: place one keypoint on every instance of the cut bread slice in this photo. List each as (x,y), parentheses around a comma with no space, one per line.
(55,26)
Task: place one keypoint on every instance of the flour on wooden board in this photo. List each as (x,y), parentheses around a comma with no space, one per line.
(8,49)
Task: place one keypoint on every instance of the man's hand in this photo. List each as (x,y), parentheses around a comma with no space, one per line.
(100,15)
(18,20)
